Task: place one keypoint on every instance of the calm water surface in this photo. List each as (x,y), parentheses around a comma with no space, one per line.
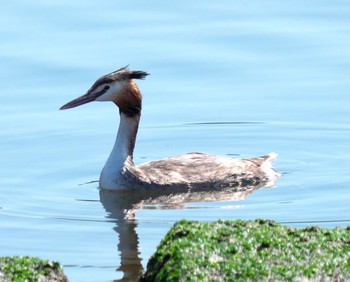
(240,78)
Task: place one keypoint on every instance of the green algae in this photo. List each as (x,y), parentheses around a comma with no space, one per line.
(29,269)
(258,250)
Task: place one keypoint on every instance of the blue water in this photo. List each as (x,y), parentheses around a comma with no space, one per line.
(241,78)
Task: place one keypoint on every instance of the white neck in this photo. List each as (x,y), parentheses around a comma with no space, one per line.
(122,153)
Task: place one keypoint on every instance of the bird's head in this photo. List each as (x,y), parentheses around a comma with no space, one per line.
(118,87)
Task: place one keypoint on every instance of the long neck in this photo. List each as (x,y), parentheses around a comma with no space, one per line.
(122,152)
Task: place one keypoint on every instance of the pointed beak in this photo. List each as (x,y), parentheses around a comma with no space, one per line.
(86,98)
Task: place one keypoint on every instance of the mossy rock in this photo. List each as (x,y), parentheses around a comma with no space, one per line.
(258,250)
(30,269)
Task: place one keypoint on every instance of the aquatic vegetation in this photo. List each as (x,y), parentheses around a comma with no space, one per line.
(30,269)
(250,251)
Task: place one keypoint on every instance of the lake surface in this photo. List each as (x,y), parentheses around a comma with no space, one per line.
(240,78)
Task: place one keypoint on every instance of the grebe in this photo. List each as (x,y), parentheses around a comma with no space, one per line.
(192,170)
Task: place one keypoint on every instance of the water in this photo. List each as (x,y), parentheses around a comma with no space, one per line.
(232,78)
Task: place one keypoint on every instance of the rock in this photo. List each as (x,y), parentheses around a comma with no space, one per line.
(30,269)
(258,250)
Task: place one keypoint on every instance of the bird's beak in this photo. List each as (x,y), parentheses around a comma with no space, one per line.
(86,98)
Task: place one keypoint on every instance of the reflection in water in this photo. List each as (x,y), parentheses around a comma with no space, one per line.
(121,206)
(118,208)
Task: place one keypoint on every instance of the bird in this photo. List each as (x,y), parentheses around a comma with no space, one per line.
(192,170)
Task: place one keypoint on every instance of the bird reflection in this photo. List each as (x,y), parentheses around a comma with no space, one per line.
(121,206)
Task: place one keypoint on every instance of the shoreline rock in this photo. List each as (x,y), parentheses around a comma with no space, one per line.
(252,250)
(18,268)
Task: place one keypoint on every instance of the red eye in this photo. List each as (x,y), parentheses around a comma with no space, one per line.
(106,87)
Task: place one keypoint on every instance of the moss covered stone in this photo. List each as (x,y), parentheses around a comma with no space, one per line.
(30,269)
(258,250)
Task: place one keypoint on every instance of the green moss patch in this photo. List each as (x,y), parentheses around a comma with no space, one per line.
(258,250)
(30,269)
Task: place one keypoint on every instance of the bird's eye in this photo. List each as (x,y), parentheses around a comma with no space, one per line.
(106,87)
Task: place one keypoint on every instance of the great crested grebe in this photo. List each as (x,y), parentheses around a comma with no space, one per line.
(192,170)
